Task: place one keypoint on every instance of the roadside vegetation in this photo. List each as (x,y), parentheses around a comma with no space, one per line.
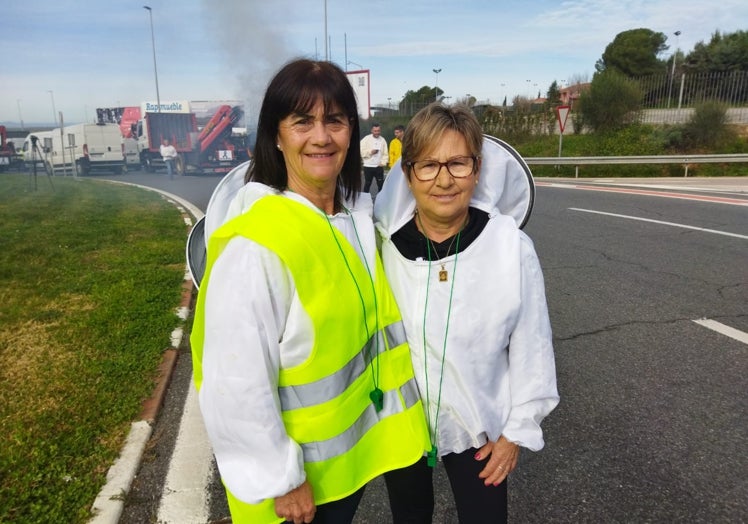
(707,132)
(90,275)
(606,112)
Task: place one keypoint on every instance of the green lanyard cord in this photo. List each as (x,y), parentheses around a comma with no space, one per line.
(376,395)
(431,456)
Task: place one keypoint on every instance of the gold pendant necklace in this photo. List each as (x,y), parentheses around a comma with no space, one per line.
(443,274)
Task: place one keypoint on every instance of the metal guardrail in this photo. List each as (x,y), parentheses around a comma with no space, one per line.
(685,160)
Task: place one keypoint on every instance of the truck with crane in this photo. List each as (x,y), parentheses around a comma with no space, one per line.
(215,148)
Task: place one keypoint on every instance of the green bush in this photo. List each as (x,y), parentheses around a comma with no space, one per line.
(612,101)
(708,127)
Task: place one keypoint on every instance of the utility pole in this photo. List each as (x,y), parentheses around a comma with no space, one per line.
(672,74)
(54,111)
(20,117)
(327,52)
(155,70)
(436,87)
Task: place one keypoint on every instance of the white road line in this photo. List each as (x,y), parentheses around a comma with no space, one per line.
(728,331)
(185,496)
(684,226)
(646,191)
(664,187)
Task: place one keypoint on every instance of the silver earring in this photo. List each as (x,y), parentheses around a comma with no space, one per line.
(278,146)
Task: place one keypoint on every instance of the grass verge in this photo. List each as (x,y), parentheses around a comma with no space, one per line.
(90,275)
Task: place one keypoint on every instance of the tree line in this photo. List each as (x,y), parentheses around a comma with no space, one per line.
(623,78)
(630,74)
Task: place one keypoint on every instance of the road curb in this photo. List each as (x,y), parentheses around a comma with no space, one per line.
(152,405)
(110,502)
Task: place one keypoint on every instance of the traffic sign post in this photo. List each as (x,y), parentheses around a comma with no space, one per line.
(562,113)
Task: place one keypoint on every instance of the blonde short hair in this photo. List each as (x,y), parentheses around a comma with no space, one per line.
(430,123)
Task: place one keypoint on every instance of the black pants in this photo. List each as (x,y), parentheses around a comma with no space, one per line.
(373,172)
(338,511)
(411,492)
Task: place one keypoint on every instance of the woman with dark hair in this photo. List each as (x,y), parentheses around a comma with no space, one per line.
(288,94)
(470,287)
(304,376)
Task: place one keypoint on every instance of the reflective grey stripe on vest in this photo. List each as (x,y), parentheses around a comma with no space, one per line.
(327,449)
(327,388)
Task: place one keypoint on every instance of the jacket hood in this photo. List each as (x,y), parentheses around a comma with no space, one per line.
(230,198)
(505,186)
(215,215)
(223,194)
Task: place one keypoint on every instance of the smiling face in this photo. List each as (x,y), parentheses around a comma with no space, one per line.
(443,202)
(314,148)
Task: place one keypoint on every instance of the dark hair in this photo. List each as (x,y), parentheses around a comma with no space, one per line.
(296,88)
(399,127)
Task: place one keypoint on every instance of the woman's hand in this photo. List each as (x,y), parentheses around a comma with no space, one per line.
(297,505)
(504,455)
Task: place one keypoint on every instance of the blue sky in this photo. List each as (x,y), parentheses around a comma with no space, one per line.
(94,53)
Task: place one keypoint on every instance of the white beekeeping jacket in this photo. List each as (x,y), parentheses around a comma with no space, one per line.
(498,375)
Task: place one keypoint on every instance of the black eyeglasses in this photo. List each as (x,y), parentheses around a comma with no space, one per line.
(458,167)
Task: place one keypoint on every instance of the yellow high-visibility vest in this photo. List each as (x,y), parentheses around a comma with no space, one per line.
(325,401)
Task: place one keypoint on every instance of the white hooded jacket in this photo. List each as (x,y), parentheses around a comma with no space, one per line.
(498,375)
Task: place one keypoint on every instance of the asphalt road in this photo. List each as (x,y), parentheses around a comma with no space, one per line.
(652,421)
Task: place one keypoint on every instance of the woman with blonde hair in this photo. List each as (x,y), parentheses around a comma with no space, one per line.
(470,289)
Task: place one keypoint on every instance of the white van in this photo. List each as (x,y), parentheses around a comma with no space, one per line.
(89,146)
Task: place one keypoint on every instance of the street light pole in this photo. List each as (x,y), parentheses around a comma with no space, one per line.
(54,111)
(436,87)
(155,70)
(20,117)
(54,114)
(672,73)
(327,52)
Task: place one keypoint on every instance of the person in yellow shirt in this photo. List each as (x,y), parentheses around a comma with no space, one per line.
(396,145)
